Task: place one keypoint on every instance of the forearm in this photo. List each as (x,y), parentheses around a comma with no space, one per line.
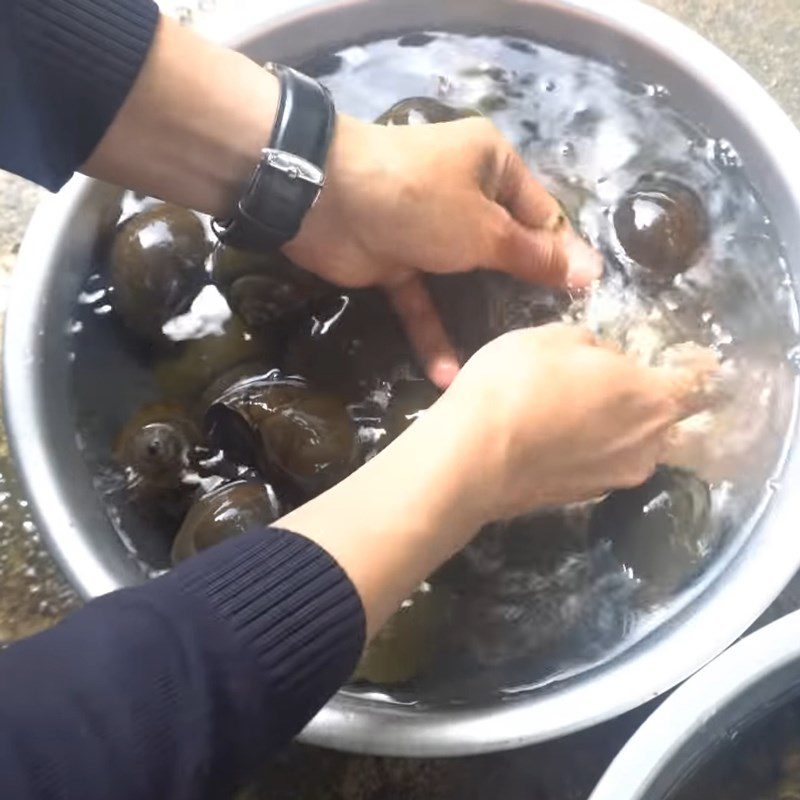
(399,517)
(193,125)
(178,689)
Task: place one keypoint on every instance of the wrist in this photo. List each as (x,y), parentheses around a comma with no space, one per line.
(240,130)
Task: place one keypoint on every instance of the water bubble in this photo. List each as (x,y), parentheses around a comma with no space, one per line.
(567,151)
(532,129)
(793,357)
(656,90)
(722,153)
(415,40)
(88,298)
(444,86)
(521,46)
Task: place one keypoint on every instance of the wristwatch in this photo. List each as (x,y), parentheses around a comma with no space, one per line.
(290,174)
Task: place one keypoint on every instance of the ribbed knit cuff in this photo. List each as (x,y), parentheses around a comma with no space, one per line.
(98,45)
(79,59)
(290,606)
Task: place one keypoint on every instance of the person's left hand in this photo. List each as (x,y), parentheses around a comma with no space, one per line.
(440,198)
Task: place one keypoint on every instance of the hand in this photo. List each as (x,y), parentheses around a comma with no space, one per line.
(397,200)
(441,198)
(550,416)
(537,418)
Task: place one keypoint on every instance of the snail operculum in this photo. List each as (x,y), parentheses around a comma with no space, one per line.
(262,288)
(156,449)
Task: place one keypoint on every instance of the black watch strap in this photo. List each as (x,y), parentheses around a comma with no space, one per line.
(290,174)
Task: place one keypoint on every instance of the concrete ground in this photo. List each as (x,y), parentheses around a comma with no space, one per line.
(763,36)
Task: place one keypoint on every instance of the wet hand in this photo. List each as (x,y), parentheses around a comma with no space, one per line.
(537,418)
(439,198)
(547,416)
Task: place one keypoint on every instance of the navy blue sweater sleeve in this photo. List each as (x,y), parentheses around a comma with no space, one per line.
(179,688)
(66,66)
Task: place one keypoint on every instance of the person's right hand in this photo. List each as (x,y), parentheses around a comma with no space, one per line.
(548,416)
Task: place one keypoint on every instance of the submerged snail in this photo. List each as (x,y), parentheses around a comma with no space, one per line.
(409,399)
(156,447)
(407,643)
(198,363)
(349,345)
(263,287)
(157,267)
(659,531)
(528,587)
(662,225)
(465,303)
(423,110)
(284,429)
(225,512)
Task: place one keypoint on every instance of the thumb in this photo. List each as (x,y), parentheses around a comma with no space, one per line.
(551,258)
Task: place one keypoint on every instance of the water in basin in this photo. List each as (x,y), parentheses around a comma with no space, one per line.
(542,598)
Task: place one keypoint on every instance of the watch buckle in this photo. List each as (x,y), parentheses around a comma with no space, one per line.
(294,167)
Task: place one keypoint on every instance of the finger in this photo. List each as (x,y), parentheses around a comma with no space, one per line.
(533,255)
(539,256)
(690,389)
(528,202)
(423,326)
(584,263)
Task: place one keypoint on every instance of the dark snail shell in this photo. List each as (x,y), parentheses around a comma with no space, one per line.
(409,399)
(659,531)
(525,587)
(423,110)
(350,345)
(284,429)
(465,303)
(157,267)
(156,448)
(223,513)
(407,644)
(245,372)
(662,226)
(507,558)
(196,364)
(262,288)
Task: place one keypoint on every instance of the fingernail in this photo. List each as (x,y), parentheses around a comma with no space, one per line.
(585,264)
(442,371)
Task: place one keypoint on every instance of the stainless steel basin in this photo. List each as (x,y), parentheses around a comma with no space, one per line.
(757,675)
(54,259)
